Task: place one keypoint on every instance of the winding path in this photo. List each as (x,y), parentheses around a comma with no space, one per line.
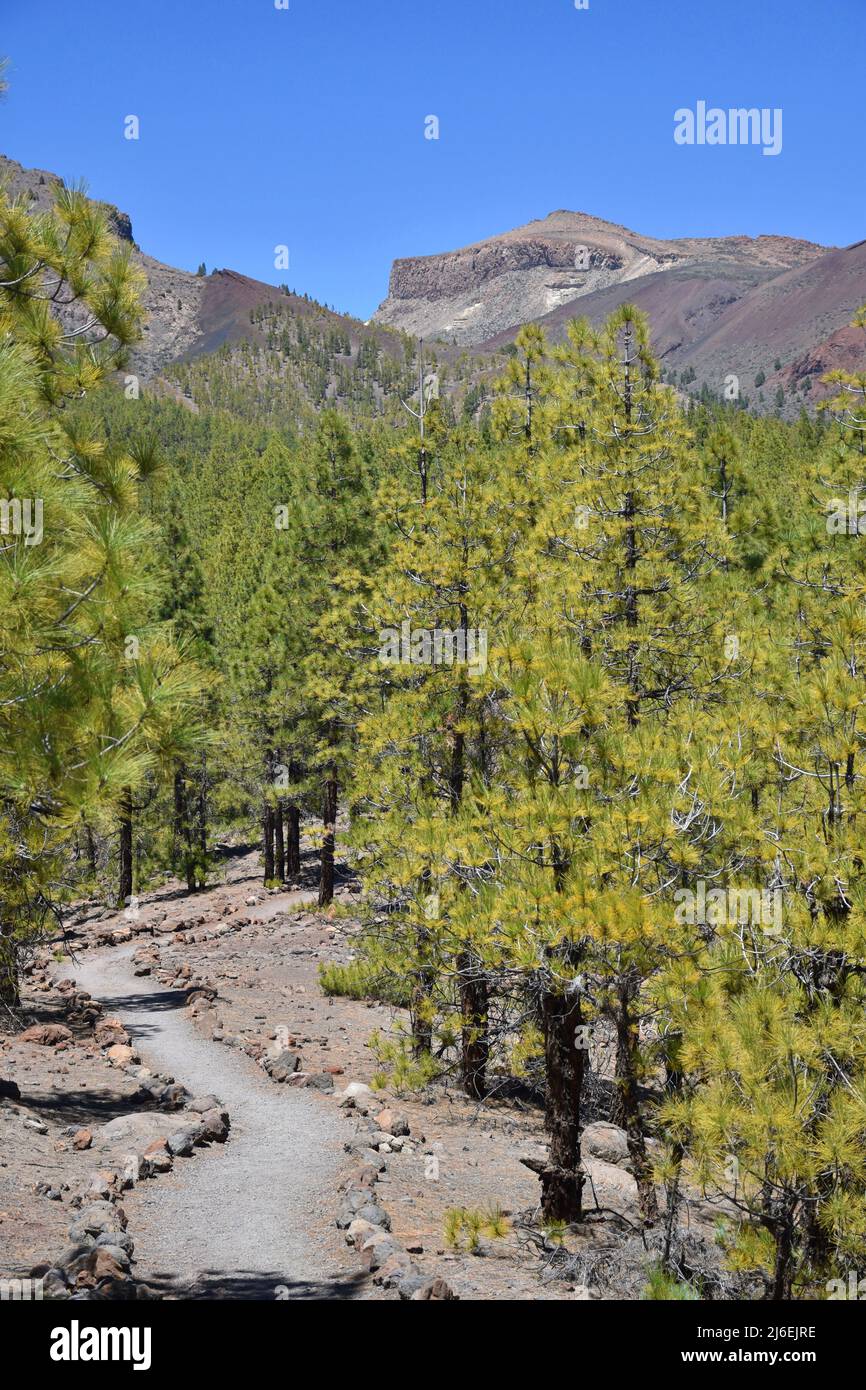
(242,1220)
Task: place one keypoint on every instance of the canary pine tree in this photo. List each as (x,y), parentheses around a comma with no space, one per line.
(84,711)
(773,1117)
(337,535)
(621,547)
(429,731)
(585,678)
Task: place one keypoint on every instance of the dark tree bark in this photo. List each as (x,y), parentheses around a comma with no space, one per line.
(293,843)
(268,839)
(329,816)
(91,848)
(202,822)
(179,824)
(620,1073)
(279,844)
(126,847)
(420,1023)
(473,986)
(182,829)
(673,1089)
(475,1044)
(565,1061)
(627,1109)
(784,1268)
(9,991)
(457,771)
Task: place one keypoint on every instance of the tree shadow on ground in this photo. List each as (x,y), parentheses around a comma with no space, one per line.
(82,1108)
(161,1001)
(255,1286)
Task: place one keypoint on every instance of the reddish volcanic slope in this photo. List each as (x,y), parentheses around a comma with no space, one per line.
(717,325)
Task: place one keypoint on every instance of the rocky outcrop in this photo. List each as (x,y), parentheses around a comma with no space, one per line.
(183,311)
(442,277)
(473,294)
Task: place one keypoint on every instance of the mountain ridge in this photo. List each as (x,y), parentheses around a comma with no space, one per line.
(770,308)
(470,294)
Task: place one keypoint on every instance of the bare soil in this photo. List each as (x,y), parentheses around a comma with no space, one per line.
(256,954)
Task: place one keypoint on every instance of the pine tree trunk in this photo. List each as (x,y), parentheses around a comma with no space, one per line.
(202,823)
(420,1024)
(293,843)
(457,771)
(783,1272)
(620,1075)
(182,829)
(561,1179)
(179,825)
(329,816)
(279,844)
(268,839)
(475,1043)
(91,849)
(126,848)
(628,1109)
(674,1090)
(9,989)
(472,985)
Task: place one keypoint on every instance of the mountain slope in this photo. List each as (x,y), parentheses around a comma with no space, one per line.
(469,296)
(710,326)
(717,307)
(227,340)
(185,313)
(803,312)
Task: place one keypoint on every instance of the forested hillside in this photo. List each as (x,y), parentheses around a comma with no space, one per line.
(568,676)
(300,358)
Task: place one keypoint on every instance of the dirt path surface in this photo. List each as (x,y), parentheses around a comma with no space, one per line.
(252,1218)
(210,987)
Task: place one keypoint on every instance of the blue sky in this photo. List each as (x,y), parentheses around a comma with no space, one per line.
(305,126)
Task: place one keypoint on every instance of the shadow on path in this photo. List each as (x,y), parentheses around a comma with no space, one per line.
(256,1286)
(161,1001)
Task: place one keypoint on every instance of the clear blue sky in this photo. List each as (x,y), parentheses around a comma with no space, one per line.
(306,127)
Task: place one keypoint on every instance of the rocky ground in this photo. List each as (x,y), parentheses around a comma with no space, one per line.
(323,1186)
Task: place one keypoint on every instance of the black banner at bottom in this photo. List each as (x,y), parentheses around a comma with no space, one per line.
(59,1339)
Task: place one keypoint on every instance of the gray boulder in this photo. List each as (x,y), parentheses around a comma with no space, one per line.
(215,1126)
(130,1133)
(100,1217)
(376,1215)
(182,1142)
(202,1104)
(605,1142)
(282,1067)
(69,1258)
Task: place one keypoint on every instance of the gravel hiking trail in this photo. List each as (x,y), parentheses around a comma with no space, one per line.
(248,1219)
